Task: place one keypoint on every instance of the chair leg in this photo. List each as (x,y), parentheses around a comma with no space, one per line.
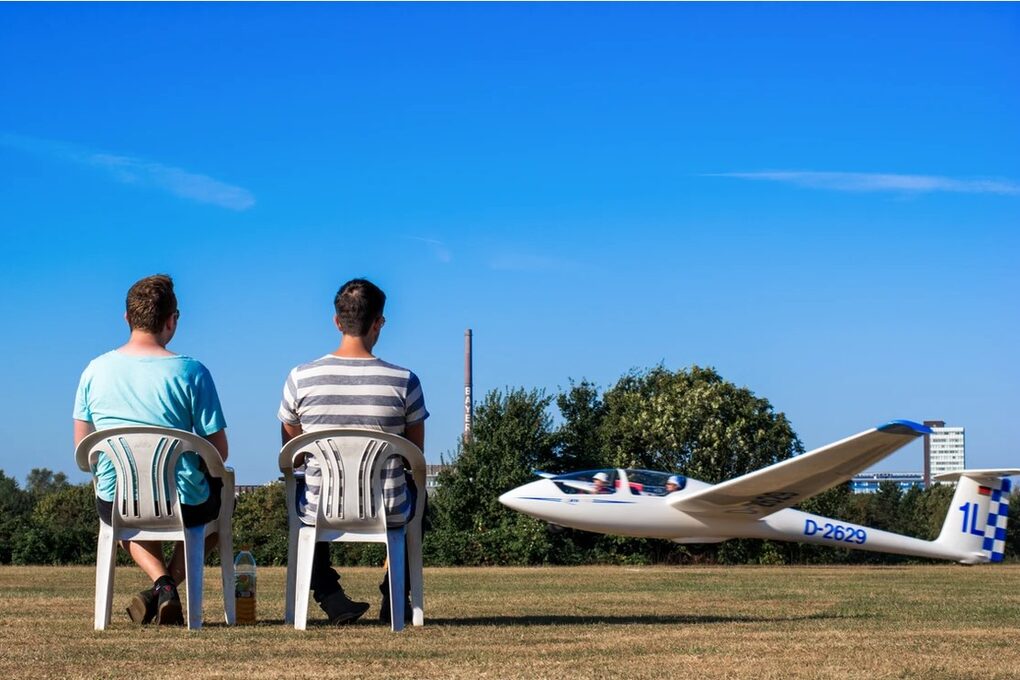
(194,563)
(292,550)
(396,559)
(414,559)
(225,546)
(106,560)
(303,578)
(226,549)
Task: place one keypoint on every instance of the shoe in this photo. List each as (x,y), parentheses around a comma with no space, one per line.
(168,607)
(142,608)
(341,609)
(384,607)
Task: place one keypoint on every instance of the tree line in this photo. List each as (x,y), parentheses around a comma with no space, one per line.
(690,421)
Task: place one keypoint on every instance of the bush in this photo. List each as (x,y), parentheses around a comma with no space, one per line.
(260,523)
(15,510)
(62,529)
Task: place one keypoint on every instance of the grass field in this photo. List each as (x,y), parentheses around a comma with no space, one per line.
(704,622)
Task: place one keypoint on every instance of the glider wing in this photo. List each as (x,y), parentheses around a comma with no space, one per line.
(790,482)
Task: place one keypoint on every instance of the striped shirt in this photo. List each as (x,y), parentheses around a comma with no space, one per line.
(334,392)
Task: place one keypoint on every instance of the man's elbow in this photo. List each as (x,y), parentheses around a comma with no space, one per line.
(288,432)
(82,429)
(219,441)
(416,435)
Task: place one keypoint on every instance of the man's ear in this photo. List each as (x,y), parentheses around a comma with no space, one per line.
(336,322)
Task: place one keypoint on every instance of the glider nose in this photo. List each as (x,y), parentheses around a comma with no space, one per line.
(522,498)
(512,499)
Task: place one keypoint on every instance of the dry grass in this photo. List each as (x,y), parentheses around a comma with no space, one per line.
(725,622)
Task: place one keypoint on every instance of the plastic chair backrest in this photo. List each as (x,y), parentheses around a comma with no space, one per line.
(145,458)
(351,462)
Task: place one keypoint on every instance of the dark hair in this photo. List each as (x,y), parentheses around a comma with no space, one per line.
(150,302)
(358,304)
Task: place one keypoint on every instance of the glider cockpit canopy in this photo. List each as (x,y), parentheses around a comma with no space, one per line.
(612,480)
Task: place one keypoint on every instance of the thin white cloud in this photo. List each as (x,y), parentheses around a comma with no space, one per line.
(438,248)
(867,181)
(131,170)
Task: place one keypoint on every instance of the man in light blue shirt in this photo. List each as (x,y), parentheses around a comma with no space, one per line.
(143,383)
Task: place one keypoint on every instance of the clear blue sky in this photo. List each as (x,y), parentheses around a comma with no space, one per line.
(821,201)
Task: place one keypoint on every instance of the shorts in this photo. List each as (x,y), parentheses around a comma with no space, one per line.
(193,515)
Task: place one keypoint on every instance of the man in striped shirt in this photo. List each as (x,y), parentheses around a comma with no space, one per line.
(351,387)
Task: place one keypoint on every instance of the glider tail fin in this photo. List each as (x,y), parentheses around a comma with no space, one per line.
(976,521)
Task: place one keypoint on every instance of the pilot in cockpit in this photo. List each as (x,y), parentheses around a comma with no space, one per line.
(601,483)
(673,484)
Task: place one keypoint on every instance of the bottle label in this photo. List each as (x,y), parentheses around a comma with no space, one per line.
(244,585)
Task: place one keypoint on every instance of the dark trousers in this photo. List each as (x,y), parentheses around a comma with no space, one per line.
(326,580)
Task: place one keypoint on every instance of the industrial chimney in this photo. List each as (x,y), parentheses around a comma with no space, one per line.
(468,404)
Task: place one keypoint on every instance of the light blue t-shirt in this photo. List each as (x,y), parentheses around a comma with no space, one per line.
(118,390)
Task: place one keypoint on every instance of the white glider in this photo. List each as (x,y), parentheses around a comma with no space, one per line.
(758,504)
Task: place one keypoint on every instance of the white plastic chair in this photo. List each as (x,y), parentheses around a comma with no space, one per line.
(146,508)
(351,509)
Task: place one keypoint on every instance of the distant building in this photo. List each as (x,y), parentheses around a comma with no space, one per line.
(944,450)
(868,482)
(432,476)
(247,488)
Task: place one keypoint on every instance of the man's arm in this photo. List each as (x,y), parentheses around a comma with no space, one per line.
(416,434)
(219,440)
(288,432)
(395,491)
(82,429)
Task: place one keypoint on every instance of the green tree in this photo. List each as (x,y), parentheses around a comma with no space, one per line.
(1013,527)
(15,509)
(694,421)
(260,521)
(908,513)
(577,442)
(931,510)
(884,507)
(511,435)
(62,529)
(43,481)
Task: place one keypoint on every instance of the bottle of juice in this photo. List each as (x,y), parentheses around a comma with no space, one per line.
(244,586)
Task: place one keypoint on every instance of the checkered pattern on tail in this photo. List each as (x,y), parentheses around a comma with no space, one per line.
(995,530)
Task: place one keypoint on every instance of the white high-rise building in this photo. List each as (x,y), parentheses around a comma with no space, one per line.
(946,451)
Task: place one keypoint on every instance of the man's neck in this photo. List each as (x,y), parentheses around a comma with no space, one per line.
(352,347)
(143,343)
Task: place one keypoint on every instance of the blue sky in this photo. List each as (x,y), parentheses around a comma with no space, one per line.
(821,201)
